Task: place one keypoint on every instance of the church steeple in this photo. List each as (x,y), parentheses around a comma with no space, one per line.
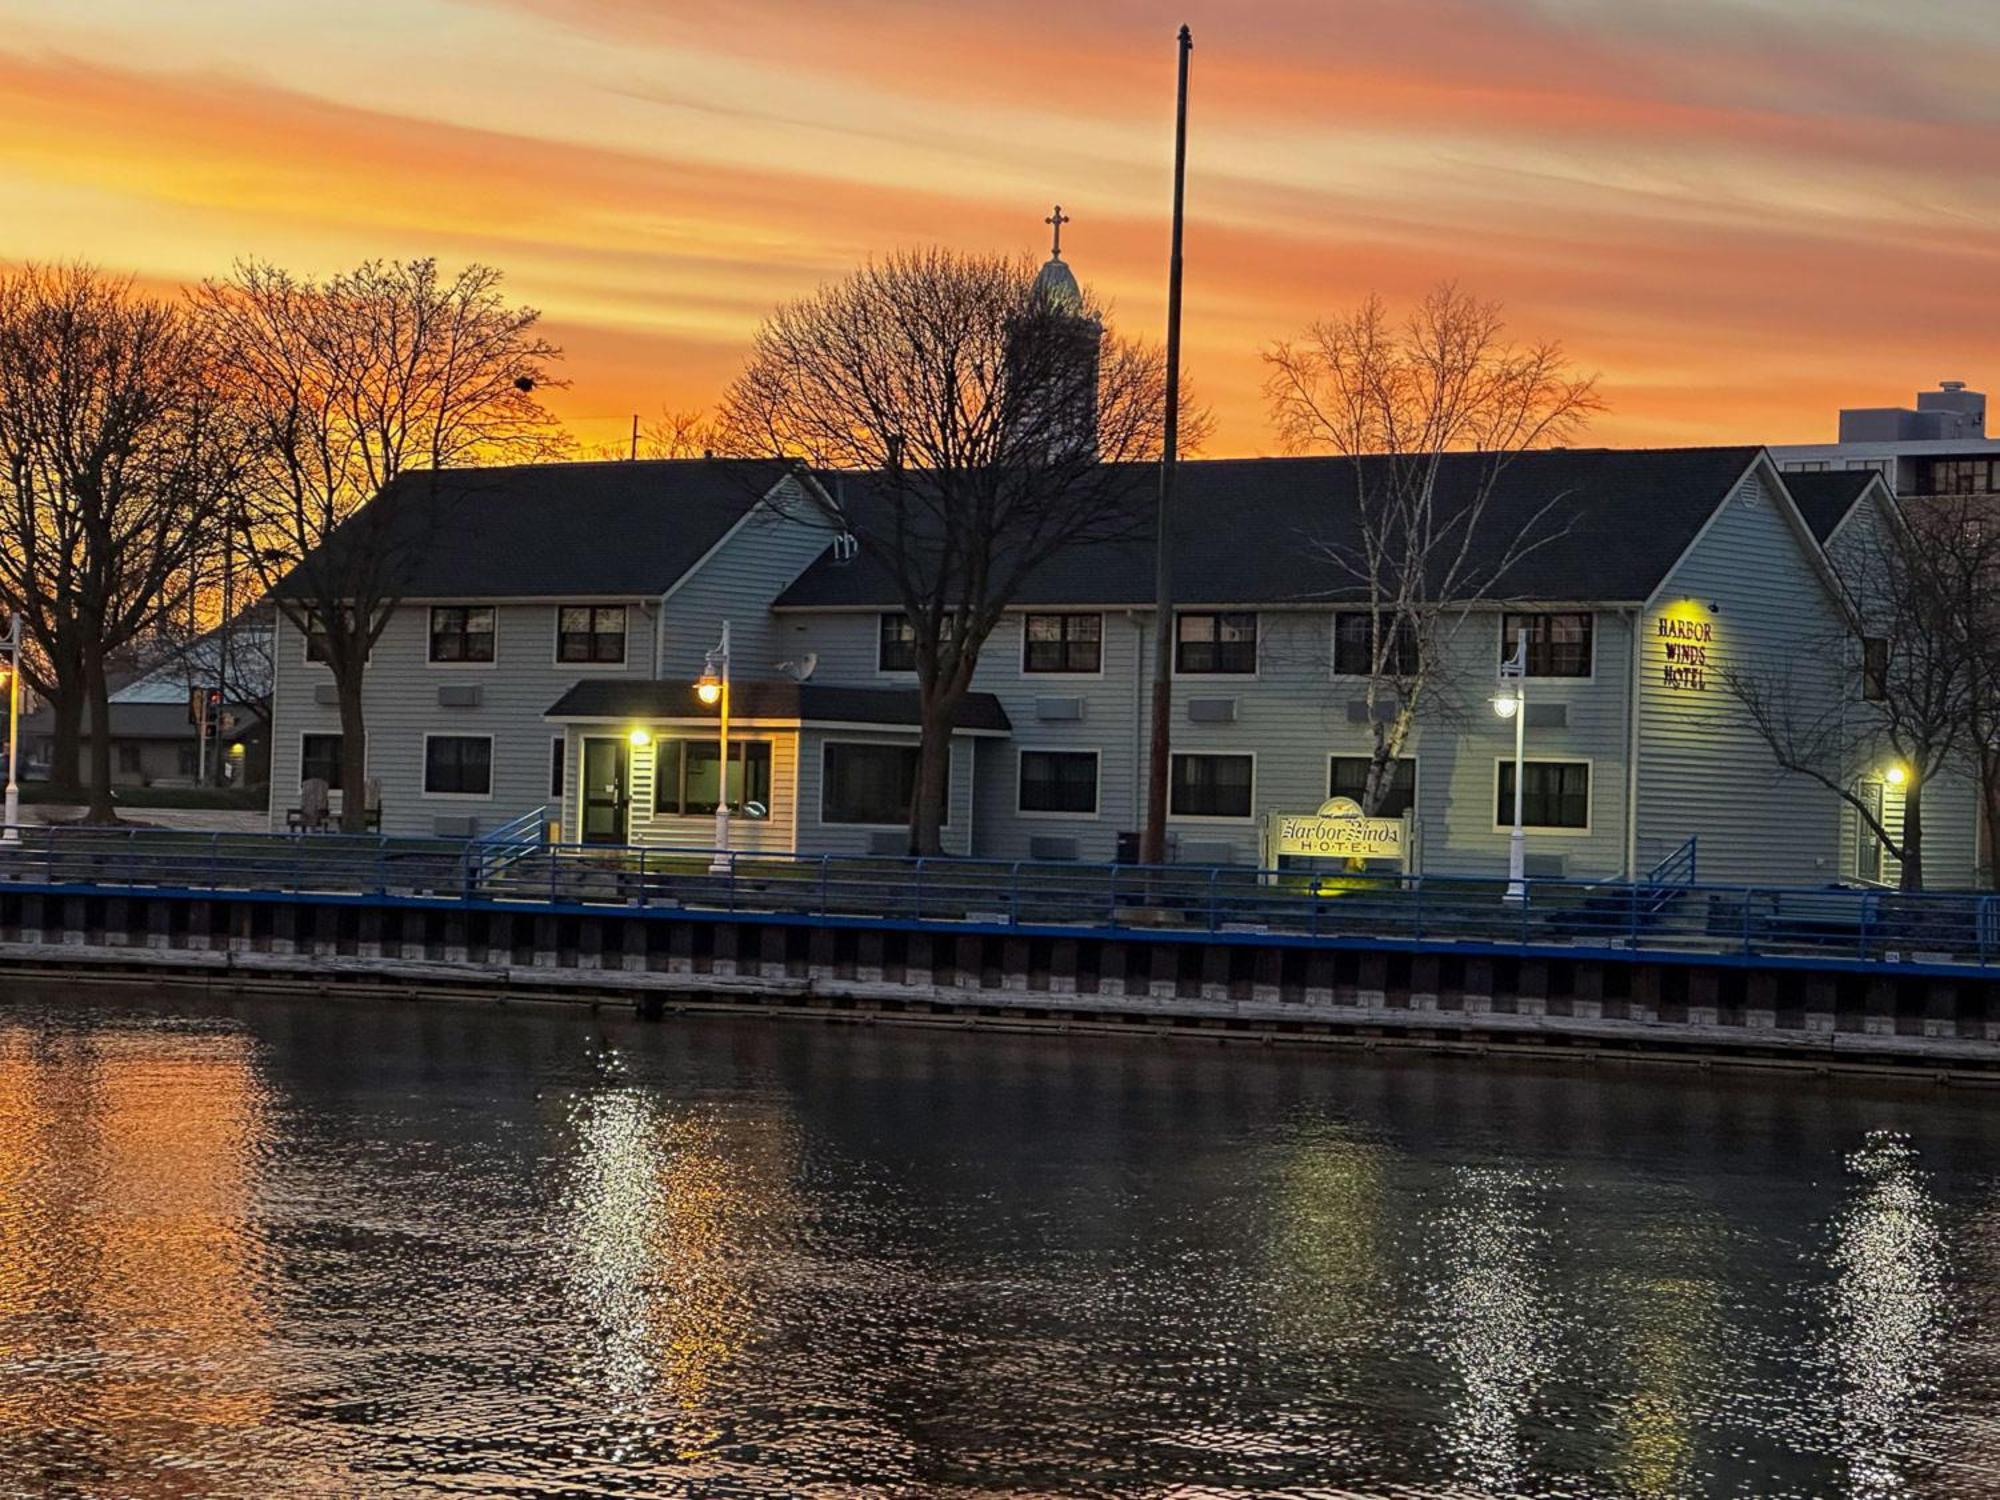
(1056,283)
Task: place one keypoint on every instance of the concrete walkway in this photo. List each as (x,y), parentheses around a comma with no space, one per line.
(190,819)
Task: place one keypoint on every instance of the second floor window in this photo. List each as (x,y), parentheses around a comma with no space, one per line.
(896,649)
(1558,643)
(1063,643)
(590,633)
(1874,669)
(462,632)
(316,642)
(1354,635)
(1215,642)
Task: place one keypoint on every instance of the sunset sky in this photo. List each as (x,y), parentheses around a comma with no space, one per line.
(1743,213)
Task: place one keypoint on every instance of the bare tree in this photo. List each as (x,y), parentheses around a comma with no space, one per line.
(343,386)
(116,452)
(996,422)
(1907,640)
(1413,544)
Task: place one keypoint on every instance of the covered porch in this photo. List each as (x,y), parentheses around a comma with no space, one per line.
(811,769)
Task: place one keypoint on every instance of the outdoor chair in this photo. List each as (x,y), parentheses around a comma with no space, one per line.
(310,815)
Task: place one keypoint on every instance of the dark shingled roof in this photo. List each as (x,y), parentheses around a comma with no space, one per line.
(636,699)
(585,529)
(1248,531)
(1825,499)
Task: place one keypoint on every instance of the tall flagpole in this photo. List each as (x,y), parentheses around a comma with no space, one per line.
(1153,846)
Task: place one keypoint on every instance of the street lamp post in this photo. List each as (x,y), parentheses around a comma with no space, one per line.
(713,687)
(1512,703)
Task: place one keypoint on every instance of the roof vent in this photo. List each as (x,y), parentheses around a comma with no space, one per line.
(846,547)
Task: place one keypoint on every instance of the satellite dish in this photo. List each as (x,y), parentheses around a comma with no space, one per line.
(801,669)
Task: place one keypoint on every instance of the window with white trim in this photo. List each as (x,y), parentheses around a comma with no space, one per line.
(458,765)
(1212,786)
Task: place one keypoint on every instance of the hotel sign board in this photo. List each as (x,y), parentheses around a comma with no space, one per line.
(1336,831)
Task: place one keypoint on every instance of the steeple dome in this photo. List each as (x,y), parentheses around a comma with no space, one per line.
(1055,283)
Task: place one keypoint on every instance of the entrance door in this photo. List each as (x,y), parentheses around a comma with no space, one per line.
(603,791)
(1867,847)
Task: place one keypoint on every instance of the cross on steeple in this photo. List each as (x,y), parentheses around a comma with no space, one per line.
(1057,219)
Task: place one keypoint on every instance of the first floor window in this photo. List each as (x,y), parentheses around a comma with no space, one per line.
(557,749)
(1355,632)
(190,761)
(462,632)
(1558,644)
(319,760)
(684,779)
(129,760)
(1059,781)
(876,784)
(1554,794)
(1349,778)
(1063,643)
(458,765)
(1212,786)
(1224,642)
(590,633)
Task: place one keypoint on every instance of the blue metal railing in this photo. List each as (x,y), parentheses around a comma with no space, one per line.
(1678,868)
(513,867)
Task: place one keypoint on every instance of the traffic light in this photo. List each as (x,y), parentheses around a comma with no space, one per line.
(205,709)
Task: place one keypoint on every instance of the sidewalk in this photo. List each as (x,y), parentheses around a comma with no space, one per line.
(188,819)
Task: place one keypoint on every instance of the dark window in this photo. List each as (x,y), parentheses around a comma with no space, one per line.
(1211,786)
(1556,794)
(1349,778)
(190,761)
(1354,645)
(1956,476)
(1874,668)
(1063,643)
(870,783)
(896,650)
(557,749)
(590,633)
(462,632)
(1558,644)
(684,778)
(316,647)
(319,760)
(458,765)
(129,762)
(1215,643)
(1058,781)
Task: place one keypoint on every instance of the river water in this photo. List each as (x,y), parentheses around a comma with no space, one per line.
(281,1248)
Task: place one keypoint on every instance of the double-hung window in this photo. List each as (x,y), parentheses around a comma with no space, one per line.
(1062,643)
(1355,632)
(1554,794)
(593,633)
(458,765)
(1348,777)
(462,633)
(1211,786)
(319,760)
(870,783)
(1558,643)
(896,642)
(1215,642)
(1059,781)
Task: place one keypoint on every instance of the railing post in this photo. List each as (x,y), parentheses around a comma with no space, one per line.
(1867,917)
(825,871)
(917,887)
(1214,912)
(1632,914)
(732,879)
(1417,911)
(1014,894)
(53,829)
(1111,898)
(645,891)
(1748,893)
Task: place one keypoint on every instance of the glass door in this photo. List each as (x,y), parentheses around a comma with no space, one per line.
(1867,846)
(605,805)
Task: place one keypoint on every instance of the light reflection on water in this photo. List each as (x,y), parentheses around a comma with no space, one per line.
(289,1249)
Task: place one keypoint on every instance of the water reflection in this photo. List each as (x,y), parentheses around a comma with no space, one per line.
(382,1251)
(1889,1309)
(673,1210)
(134,1315)
(1490,1322)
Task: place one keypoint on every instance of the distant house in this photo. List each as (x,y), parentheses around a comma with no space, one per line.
(153,734)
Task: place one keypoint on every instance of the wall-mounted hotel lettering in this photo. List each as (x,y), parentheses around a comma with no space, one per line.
(1685,644)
